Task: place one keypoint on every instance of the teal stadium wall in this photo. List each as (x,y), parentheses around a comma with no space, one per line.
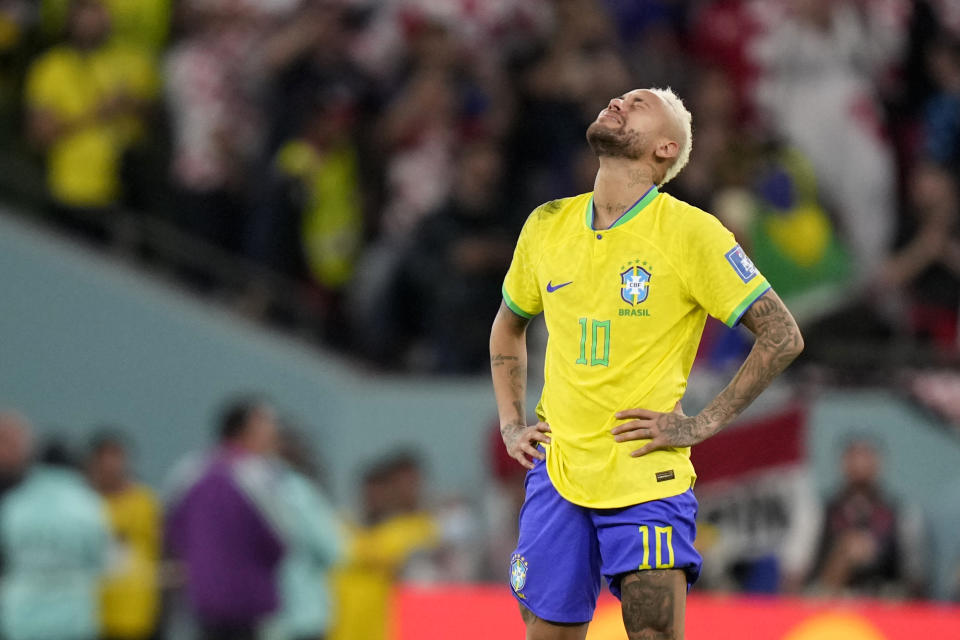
(84,342)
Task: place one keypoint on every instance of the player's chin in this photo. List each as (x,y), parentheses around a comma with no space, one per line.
(605,123)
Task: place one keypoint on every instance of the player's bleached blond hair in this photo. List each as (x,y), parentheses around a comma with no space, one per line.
(684,122)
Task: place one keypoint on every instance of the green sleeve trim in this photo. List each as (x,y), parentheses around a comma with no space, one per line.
(513,305)
(737,313)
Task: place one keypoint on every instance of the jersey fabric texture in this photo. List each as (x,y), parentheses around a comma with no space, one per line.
(625,308)
(565,550)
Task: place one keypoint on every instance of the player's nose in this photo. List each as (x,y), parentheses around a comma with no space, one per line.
(616,104)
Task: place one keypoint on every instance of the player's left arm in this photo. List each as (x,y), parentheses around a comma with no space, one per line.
(778,343)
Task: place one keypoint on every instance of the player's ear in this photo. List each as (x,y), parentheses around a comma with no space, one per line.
(667,149)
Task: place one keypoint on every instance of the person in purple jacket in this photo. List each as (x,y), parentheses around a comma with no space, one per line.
(227,531)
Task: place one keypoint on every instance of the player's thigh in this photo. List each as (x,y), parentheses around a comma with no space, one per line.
(555,569)
(654,603)
(652,535)
(538,629)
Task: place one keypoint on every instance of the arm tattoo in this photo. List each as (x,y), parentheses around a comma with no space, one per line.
(778,343)
(649,605)
(683,431)
(508,364)
(501,359)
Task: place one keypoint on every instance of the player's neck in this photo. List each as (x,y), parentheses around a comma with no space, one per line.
(619,184)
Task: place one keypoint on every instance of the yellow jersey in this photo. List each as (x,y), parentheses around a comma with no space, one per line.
(130,594)
(83,166)
(364,584)
(625,308)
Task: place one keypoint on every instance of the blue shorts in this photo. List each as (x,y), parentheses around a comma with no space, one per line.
(564,548)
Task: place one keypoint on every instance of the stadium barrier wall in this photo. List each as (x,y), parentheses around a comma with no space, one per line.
(481,613)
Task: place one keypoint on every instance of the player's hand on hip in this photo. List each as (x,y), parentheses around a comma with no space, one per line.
(521,441)
(663,430)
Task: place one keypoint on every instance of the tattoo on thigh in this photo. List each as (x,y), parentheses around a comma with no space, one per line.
(648,605)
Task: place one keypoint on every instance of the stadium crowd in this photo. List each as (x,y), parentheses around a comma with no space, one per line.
(387,152)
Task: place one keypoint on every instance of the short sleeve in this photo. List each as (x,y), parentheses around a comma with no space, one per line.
(719,275)
(521,291)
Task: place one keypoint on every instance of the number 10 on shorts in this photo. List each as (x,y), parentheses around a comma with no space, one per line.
(663,538)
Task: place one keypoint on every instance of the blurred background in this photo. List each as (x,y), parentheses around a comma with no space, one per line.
(250,251)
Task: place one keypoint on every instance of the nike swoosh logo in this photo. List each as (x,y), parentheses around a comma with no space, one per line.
(551,288)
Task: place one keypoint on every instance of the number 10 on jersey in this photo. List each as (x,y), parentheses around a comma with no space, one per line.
(599,330)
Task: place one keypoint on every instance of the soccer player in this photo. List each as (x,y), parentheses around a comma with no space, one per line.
(625,290)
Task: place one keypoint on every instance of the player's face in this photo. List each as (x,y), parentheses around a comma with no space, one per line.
(628,124)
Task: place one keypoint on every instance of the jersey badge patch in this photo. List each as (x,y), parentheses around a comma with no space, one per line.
(518,572)
(741,264)
(635,282)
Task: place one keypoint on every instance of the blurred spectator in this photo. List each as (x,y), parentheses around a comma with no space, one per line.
(820,63)
(227,527)
(869,545)
(130,593)
(17,19)
(54,539)
(311,221)
(651,32)
(216,119)
(315,545)
(15,450)
(781,218)
(311,56)
(393,530)
(942,110)
(723,34)
(458,256)
(925,269)
(723,146)
(87,101)
(144,23)
(419,128)
(560,82)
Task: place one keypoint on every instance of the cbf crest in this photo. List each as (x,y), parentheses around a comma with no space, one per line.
(518,572)
(635,282)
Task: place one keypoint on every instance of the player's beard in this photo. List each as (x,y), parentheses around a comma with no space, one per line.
(615,143)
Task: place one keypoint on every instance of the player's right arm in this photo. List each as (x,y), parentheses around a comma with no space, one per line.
(508,347)
(508,366)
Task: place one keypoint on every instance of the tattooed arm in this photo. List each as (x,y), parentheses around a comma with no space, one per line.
(508,364)
(778,343)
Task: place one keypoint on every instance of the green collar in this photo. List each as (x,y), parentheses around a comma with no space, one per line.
(630,213)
